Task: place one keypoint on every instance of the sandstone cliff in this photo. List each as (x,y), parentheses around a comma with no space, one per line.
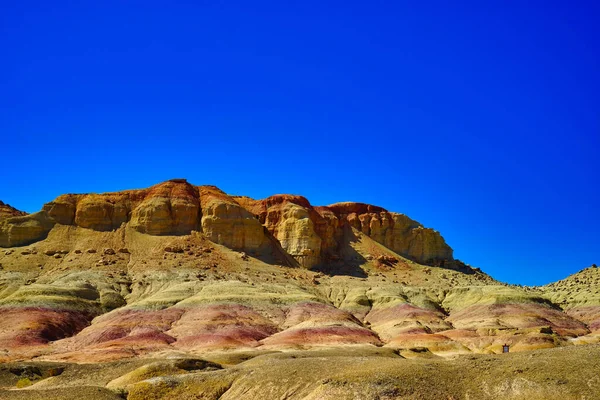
(16,231)
(395,231)
(301,231)
(314,234)
(311,235)
(225,222)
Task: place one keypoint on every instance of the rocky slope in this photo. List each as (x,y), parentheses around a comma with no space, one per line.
(7,211)
(579,296)
(178,271)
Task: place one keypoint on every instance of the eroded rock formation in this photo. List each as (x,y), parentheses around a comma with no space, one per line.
(225,222)
(311,235)
(17,231)
(395,231)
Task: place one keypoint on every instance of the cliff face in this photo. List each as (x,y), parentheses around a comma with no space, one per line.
(15,231)
(294,223)
(22,226)
(395,231)
(311,235)
(169,208)
(225,222)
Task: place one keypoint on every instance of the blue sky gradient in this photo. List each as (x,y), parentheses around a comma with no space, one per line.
(480,120)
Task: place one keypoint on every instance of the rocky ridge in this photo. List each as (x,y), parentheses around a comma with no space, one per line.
(310,235)
(7,211)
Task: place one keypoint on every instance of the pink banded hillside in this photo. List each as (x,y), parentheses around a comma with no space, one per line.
(182,270)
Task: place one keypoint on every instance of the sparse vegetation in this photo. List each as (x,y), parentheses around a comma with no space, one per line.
(23,382)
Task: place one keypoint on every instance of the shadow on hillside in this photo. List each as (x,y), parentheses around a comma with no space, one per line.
(276,255)
(349,262)
(454,265)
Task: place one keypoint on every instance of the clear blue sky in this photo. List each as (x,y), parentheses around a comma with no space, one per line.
(480,119)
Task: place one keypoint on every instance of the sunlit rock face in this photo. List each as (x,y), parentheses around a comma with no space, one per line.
(395,231)
(297,235)
(26,229)
(310,235)
(100,214)
(62,209)
(169,208)
(313,235)
(225,222)
(299,229)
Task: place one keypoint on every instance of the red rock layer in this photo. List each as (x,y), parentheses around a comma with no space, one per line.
(26,332)
(120,334)
(314,324)
(403,319)
(221,326)
(30,326)
(590,315)
(171,207)
(517,316)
